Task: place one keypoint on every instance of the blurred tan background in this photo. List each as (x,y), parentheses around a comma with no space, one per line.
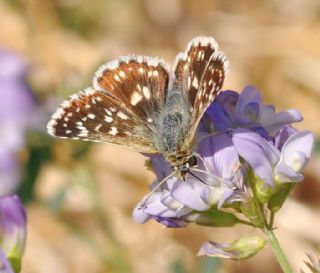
(274,45)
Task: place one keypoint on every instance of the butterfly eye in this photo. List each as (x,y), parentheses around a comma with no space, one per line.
(192,161)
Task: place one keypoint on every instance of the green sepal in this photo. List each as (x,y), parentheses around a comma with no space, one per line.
(216,218)
(277,199)
(15,263)
(250,208)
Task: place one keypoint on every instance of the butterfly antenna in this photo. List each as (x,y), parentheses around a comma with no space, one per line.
(146,198)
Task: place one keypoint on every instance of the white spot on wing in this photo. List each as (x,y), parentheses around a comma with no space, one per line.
(113,131)
(108,112)
(122,115)
(92,116)
(122,74)
(195,83)
(98,127)
(116,77)
(135,98)
(146,92)
(141,70)
(189,82)
(108,119)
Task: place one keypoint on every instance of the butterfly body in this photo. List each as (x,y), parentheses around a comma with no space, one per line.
(174,126)
(145,104)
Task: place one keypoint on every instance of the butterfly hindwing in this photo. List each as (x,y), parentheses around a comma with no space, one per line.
(96,116)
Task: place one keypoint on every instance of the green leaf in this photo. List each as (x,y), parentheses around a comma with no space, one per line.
(177,267)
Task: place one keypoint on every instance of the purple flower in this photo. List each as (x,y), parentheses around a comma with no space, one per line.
(246,110)
(245,154)
(271,164)
(16,106)
(17,102)
(9,172)
(218,179)
(13,228)
(5,266)
(13,224)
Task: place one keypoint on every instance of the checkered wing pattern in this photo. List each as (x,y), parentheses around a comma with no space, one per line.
(119,108)
(200,71)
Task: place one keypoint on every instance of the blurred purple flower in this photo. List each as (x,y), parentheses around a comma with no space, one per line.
(12,224)
(17,101)
(5,266)
(13,228)
(9,172)
(16,106)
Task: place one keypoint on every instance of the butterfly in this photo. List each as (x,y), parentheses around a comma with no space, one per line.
(145,104)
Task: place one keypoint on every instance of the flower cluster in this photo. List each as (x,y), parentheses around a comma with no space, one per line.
(16,105)
(248,157)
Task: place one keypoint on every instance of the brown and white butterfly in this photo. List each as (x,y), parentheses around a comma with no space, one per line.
(142,103)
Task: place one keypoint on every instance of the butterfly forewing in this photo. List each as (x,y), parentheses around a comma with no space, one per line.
(200,72)
(139,82)
(190,65)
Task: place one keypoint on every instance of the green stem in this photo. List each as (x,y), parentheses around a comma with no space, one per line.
(271,221)
(278,251)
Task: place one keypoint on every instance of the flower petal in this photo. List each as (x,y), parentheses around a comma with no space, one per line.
(258,152)
(283,135)
(5,265)
(295,155)
(297,150)
(189,193)
(217,116)
(220,155)
(274,121)
(249,104)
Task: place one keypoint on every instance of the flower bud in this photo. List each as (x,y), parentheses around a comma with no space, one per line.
(240,249)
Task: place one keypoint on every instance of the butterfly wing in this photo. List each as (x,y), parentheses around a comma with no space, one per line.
(139,82)
(119,108)
(200,71)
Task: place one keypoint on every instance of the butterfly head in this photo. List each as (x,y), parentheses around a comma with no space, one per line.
(181,164)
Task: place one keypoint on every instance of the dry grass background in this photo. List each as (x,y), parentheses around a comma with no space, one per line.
(274,45)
